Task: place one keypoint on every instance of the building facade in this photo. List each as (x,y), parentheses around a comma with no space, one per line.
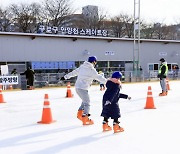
(45,52)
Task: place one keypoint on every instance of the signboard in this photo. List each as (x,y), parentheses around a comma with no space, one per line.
(111,53)
(8,80)
(84,32)
(162,53)
(73,31)
(4,69)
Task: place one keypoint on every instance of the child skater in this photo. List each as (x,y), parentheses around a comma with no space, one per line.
(110,103)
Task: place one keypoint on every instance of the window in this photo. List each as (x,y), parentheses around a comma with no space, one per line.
(102,64)
(153,67)
(156,66)
(117,64)
(169,66)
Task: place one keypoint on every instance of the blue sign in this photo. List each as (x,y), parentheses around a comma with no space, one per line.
(53,65)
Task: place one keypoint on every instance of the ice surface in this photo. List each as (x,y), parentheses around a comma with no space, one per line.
(147,131)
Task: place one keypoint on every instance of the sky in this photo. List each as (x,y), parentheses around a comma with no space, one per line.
(163,11)
(147,131)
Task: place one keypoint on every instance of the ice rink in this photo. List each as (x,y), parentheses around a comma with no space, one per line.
(147,131)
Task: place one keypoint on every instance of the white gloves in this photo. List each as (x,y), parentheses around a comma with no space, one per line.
(107,103)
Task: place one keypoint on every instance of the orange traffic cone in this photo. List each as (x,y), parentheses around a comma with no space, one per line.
(69,93)
(149,100)
(1,97)
(167,84)
(46,115)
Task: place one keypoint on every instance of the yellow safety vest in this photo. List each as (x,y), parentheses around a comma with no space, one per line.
(160,69)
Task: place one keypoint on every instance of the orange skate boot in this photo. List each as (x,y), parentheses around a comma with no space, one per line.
(106,127)
(79,114)
(163,94)
(86,120)
(117,128)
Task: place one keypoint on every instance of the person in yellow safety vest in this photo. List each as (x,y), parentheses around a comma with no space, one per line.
(162,74)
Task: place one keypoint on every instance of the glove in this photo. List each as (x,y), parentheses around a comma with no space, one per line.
(158,75)
(129,98)
(120,86)
(62,78)
(107,103)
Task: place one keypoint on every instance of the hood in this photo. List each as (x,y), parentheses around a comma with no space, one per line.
(88,64)
(114,80)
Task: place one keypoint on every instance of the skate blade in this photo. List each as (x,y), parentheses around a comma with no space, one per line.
(120,131)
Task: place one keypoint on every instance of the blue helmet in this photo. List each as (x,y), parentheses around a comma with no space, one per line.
(117,75)
(92,59)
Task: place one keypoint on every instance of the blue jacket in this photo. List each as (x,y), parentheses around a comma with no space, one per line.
(113,95)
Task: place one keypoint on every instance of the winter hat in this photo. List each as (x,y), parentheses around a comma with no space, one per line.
(92,59)
(117,75)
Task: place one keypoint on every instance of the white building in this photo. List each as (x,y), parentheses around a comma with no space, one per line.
(48,51)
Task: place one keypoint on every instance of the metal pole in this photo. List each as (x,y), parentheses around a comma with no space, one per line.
(134,35)
(138,65)
(136,46)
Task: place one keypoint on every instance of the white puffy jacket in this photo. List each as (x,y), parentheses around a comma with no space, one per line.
(86,74)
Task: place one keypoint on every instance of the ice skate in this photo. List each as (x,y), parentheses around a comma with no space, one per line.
(163,94)
(106,127)
(117,128)
(86,120)
(79,114)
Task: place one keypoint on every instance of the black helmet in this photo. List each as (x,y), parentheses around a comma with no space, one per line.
(162,60)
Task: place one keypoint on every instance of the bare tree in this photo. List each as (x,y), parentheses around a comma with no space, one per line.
(26,16)
(172,32)
(5,20)
(161,31)
(118,25)
(129,25)
(147,31)
(123,25)
(55,11)
(96,21)
(102,17)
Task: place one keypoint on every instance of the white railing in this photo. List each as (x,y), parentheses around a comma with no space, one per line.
(53,79)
